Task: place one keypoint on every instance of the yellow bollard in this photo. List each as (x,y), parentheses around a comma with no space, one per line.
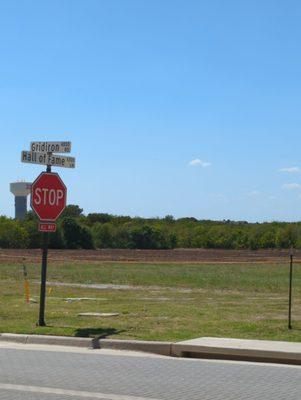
(26,284)
(27,292)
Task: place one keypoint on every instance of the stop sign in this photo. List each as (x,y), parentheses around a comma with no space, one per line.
(48,196)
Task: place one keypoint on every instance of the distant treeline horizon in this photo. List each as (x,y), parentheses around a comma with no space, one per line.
(75,230)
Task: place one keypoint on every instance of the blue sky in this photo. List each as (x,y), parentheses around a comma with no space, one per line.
(142,88)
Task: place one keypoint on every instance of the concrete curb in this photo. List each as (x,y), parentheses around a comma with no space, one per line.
(205,348)
(161,348)
(51,340)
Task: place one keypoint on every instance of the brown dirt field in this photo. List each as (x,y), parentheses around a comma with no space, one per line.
(145,256)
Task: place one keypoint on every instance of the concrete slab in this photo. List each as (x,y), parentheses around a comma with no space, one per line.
(76,299)
(100,315)
(240,349)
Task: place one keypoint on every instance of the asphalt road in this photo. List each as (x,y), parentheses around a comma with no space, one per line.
(49,373)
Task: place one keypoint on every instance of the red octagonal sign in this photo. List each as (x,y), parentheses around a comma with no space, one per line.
(48,196)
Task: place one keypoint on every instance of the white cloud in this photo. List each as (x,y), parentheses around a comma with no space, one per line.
(254,193)
(291,186)
(199,163)
(290,170)
(219,196)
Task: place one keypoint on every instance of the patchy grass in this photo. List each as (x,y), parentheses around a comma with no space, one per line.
(242,301)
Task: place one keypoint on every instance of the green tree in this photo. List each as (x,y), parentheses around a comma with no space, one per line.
(34,236)
(56,239)
(75,235)
(12,234)
(103,235)
(72,211)
(94,218)
(147,237)
(287,237)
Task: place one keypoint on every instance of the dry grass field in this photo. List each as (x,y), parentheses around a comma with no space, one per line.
(155,300)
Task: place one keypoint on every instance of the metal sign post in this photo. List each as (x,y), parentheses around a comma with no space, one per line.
(48,198)
(41,321)
(290,293)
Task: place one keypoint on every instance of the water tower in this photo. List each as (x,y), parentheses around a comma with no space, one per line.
(20,190)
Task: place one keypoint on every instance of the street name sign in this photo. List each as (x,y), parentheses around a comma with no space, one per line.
(50,147)
(47,227)
(50,159)
(48,196)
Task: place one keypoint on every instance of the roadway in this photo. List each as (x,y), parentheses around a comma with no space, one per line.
(32,372)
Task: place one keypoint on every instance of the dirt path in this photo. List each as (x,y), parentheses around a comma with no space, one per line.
(160,256)
(117,287)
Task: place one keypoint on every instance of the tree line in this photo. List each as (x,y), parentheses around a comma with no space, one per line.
(75,230)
